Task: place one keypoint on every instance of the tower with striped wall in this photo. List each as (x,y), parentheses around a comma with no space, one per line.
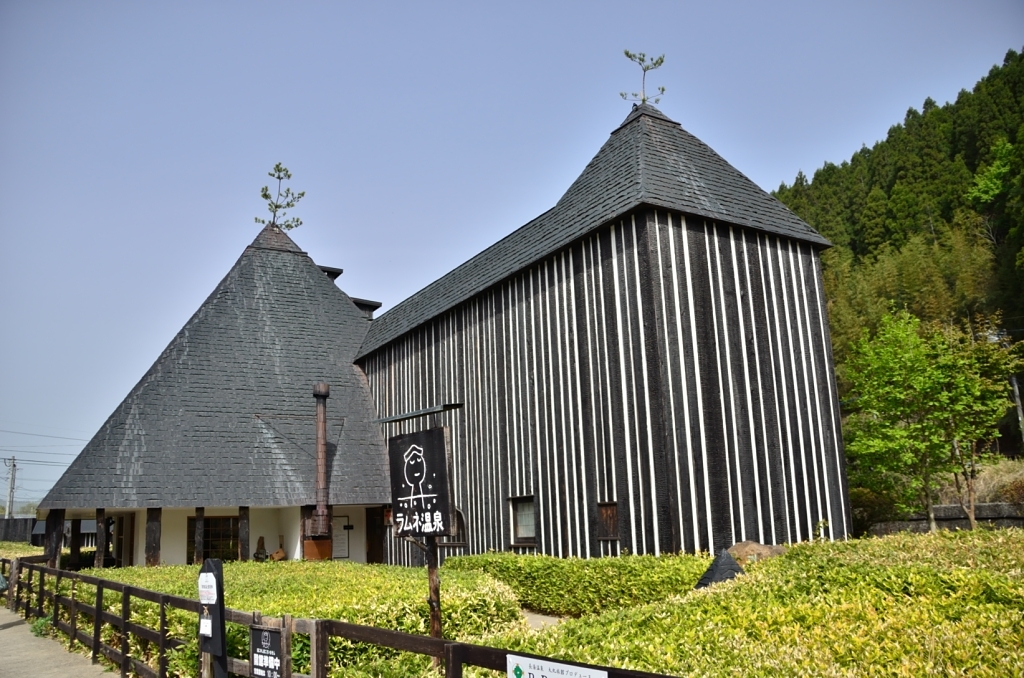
(653,352)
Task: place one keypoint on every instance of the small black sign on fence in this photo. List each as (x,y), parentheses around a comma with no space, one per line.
(265,659)
(420,484)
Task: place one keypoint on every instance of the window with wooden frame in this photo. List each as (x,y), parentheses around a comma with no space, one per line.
(524,521)
(459,538)
(220,538)
(607,520)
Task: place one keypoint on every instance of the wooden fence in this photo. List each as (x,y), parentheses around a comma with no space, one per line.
(35,591)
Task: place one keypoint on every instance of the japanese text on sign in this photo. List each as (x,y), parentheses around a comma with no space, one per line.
(528,667)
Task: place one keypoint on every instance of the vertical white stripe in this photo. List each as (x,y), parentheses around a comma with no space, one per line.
(721,382)
(584,548)
(625,397)
(794,384)
(831,387)
(647,394)
(610,455)
(682,370)
(820,450)
(697,377)
(669,372)
(746,384)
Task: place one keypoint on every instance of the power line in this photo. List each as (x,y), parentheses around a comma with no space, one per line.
(42,435)
(49,454)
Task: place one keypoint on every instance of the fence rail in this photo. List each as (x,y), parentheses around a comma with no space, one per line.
(35,590)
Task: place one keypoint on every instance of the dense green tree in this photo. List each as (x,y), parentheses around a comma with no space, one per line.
(958,168)
(895,447)
(927,401)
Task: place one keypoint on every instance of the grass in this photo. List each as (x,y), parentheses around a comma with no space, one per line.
(18,549)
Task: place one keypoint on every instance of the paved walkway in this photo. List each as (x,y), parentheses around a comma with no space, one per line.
(23,655)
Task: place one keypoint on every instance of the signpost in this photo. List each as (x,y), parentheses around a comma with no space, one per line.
(421,500)
(265,658)
(212,639)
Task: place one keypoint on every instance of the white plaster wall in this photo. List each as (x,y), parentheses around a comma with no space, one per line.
(174,535)
(266,523)
(357,535)
(288,520)
(140,538)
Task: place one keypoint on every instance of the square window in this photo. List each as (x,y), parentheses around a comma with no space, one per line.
(524,520)
(607,520)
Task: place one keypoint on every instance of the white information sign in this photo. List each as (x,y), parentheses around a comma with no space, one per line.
(207,588)
(206,627)
(528,667)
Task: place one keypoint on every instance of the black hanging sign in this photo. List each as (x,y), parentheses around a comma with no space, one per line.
(265,658)
(212,638)
(421,496)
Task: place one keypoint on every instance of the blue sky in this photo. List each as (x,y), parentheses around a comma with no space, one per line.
(135,138)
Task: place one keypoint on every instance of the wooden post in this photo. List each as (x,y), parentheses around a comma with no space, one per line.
(75,561)
(39,595)
(197,552)
(97,622)
(73,613)
(286,646)
(55,617)
(161,658)
(453,656)
(206,665)
(126,613)
(54,536)
(434,581)
(153,516)
(318,643)
(101,537)
(243,533)
(28,594)
(14,586)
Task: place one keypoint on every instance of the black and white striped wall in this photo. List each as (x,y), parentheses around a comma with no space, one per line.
(673,370)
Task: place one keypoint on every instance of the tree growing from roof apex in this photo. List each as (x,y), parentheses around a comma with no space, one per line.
(640,59)
(285,200)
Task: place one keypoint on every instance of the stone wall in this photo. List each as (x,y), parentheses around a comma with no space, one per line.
(952,517)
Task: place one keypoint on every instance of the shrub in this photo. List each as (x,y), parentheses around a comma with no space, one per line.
(389,597)
(574,586)
(950,604)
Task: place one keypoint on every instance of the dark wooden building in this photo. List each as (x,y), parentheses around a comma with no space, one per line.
(645,367)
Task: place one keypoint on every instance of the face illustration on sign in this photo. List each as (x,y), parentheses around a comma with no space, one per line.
(416,475)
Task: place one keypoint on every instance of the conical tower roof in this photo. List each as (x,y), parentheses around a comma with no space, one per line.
(648,160)
(225,416)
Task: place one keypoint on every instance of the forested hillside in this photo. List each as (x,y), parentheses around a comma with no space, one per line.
(931,219)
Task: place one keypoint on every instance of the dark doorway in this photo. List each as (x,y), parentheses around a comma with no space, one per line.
(375,534)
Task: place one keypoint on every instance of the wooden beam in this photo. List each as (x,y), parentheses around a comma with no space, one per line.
(74,562)
(197,552)
(54,536)
(101,537)
(153,517)
(243,533)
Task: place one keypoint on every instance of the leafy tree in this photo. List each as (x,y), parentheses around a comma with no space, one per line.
(975,363)
(928,401)
(285,200)
(895,446)
(640,59)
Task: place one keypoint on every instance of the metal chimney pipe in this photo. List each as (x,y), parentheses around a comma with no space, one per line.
(321,392)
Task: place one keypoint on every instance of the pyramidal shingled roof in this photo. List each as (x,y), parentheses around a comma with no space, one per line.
(648,160)
(225,416)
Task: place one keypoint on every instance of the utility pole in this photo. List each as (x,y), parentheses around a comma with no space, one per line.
(9,463)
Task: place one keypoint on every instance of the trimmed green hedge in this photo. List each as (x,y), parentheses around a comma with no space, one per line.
(574,587)
(389,597)
(906,605)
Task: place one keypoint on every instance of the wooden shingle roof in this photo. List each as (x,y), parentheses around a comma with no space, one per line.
(648,160)
(225,416)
